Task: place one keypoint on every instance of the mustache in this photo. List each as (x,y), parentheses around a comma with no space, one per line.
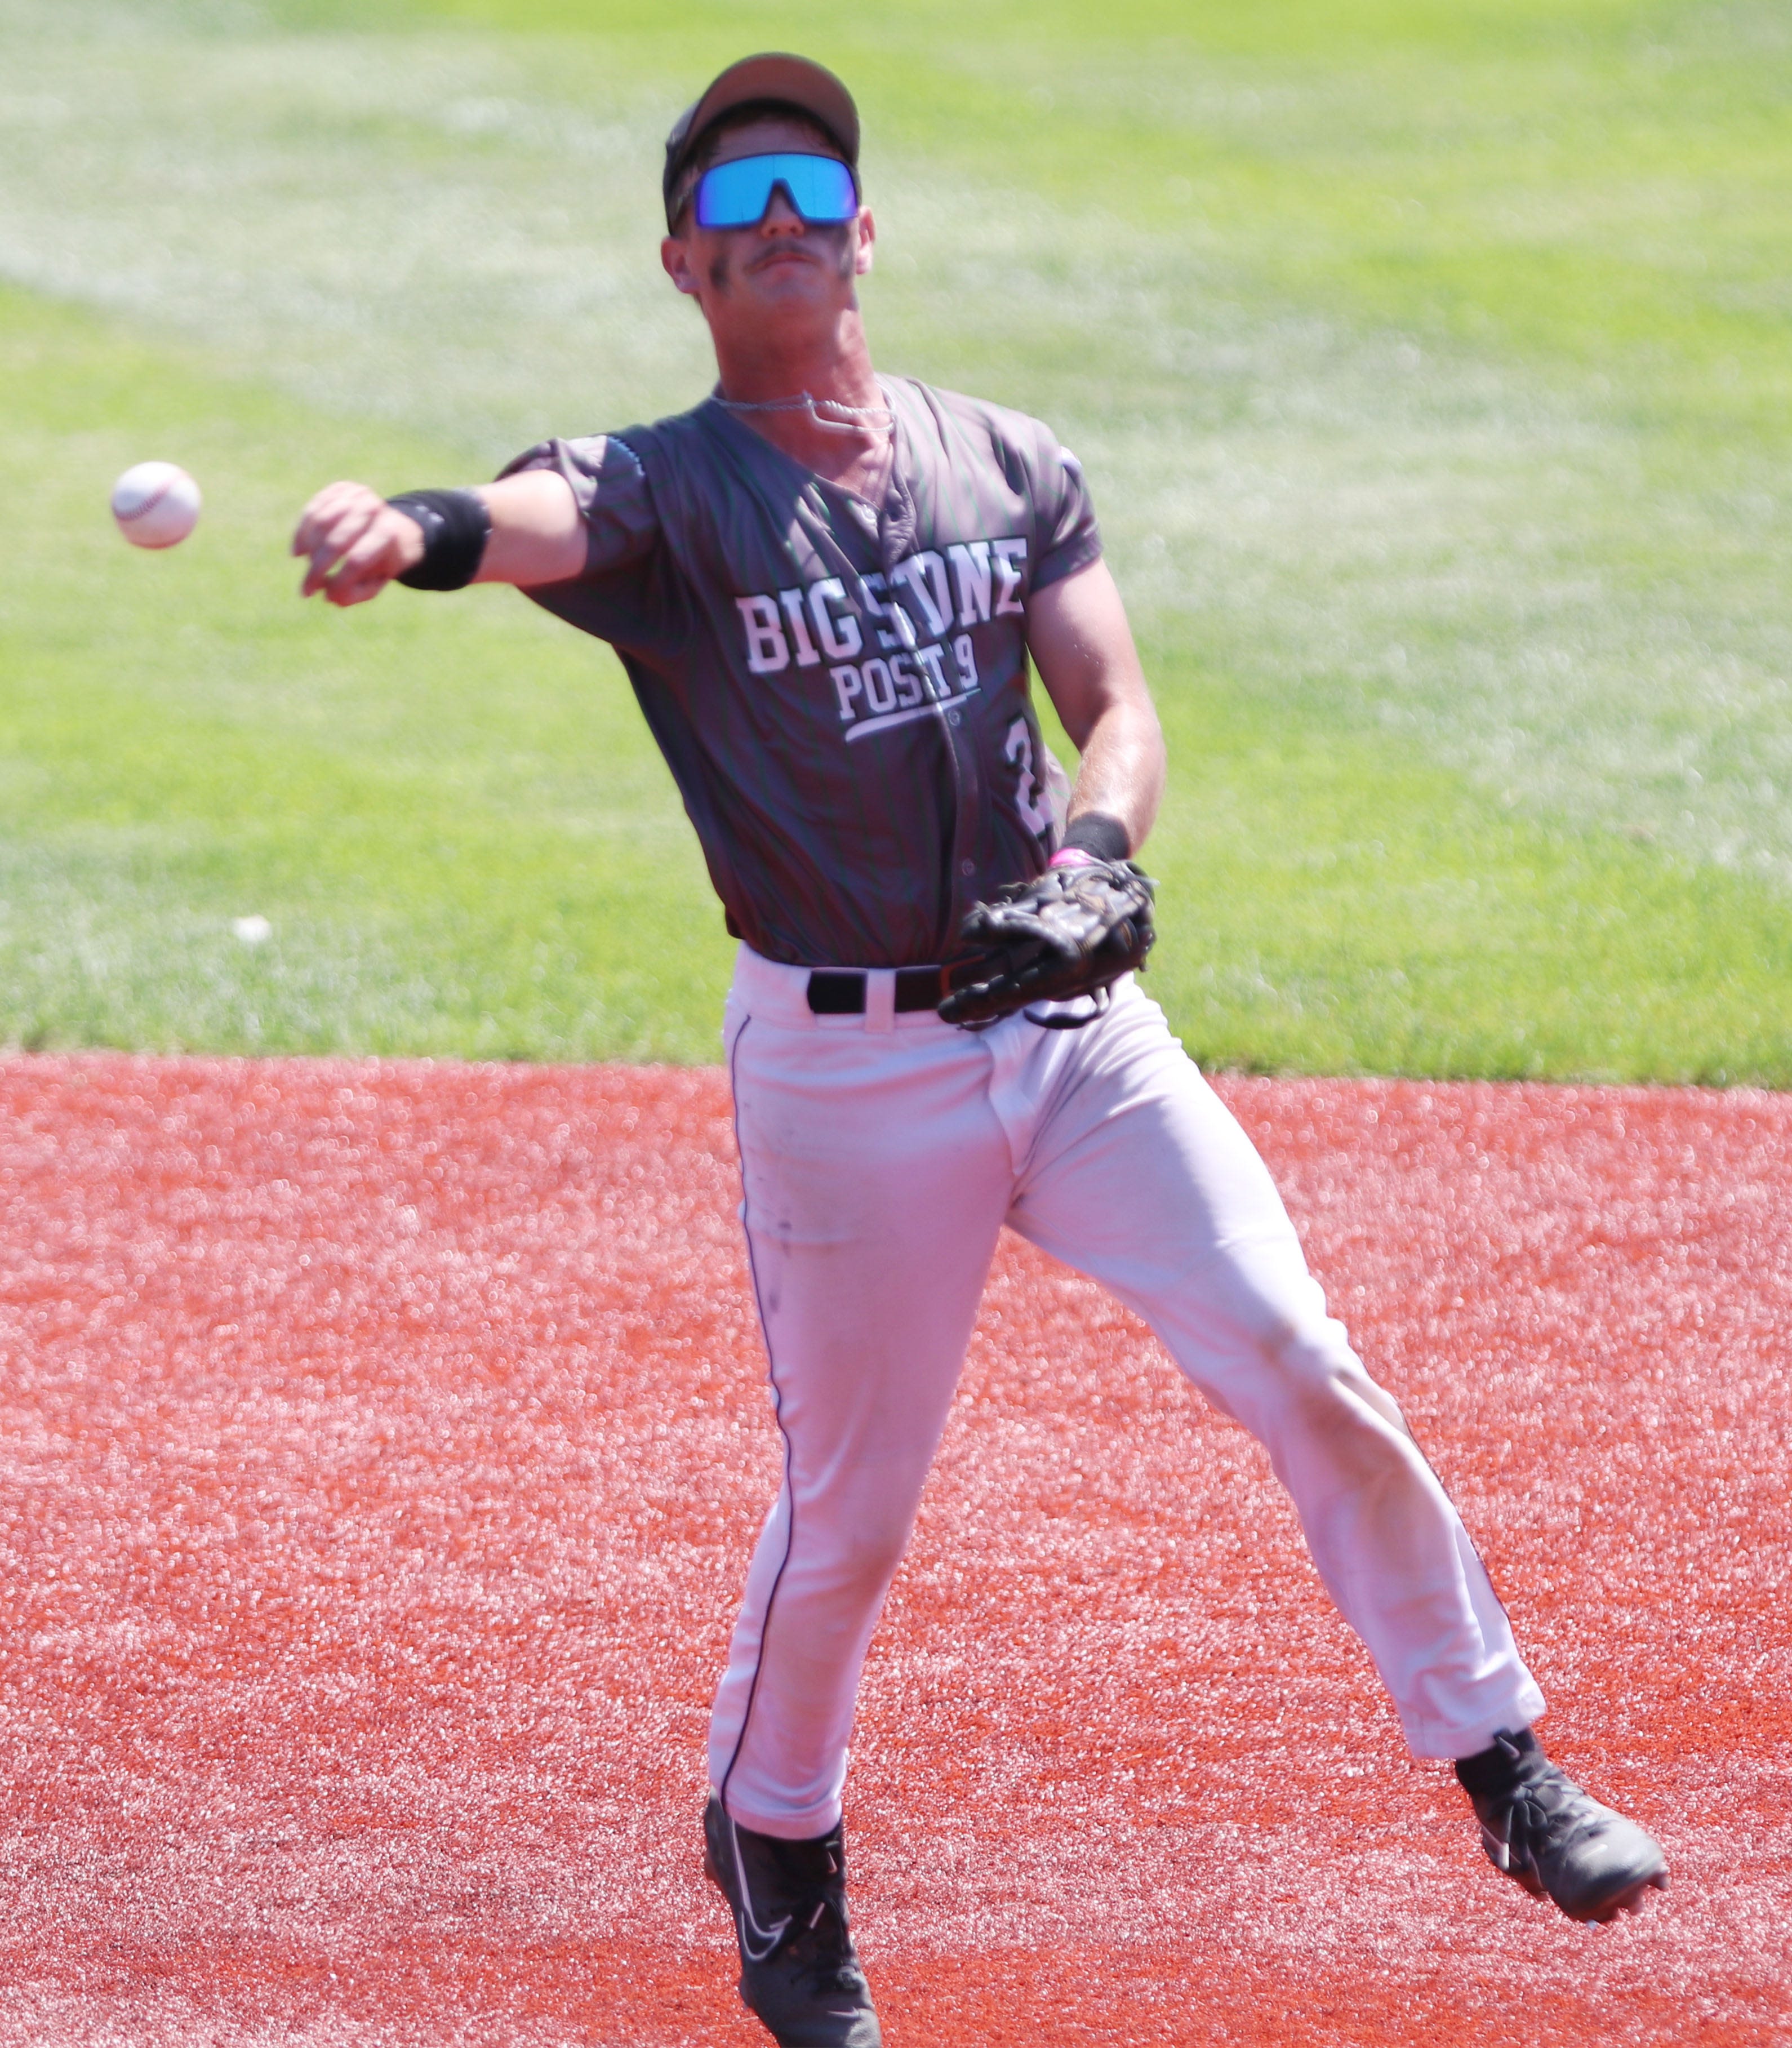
(820,244)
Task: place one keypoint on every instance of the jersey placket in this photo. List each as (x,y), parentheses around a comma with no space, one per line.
(897,540)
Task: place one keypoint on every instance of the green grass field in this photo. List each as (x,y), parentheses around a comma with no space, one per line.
(1430,362)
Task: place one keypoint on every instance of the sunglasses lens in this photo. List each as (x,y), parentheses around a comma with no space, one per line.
(736,195)
(820,188)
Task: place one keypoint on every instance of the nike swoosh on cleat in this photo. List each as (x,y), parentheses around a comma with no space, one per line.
(751,1933)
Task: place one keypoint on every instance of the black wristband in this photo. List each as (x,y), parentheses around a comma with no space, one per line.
(456,527)
(1096,833)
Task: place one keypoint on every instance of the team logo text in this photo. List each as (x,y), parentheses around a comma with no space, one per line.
(917,616)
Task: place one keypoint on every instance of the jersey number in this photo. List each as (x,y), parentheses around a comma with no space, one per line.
(1018,748)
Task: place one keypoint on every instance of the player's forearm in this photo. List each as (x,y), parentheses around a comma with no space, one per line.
(1123,768)
(1077,633)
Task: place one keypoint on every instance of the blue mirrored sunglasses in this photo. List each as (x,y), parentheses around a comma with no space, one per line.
(737,194)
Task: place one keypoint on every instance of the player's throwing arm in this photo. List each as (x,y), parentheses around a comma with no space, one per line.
(525,530)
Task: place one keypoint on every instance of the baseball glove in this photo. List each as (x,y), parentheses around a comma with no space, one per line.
(1070,932)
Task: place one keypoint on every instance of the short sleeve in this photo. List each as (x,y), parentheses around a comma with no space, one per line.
(616,499)
(1069,539)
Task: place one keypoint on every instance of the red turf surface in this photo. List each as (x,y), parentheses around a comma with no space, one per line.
(381,1448)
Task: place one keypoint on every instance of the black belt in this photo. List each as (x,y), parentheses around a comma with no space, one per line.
(840,992)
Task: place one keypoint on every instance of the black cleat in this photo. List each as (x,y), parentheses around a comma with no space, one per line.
(799,1971)
(1540,1829)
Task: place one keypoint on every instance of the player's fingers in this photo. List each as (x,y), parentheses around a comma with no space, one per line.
(356,587)
(321,510)
(324,559)
(352,521)
(334,520)
(390,544)
(367,568)
(326,544)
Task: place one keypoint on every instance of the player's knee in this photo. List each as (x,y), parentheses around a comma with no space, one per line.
(862,1558)
(1326,1383)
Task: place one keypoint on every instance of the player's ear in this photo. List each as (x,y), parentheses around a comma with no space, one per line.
(676,259)
(867,235)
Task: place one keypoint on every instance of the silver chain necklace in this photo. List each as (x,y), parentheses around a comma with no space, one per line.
(805,402)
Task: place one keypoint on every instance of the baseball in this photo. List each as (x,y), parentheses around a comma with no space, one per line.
(156,504)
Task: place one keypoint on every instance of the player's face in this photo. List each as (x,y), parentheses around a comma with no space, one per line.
(781,270)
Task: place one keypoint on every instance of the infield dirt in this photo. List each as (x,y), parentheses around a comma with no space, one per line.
(382,1444)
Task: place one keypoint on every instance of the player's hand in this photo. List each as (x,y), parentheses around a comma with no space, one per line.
(357,544)
(1071,932)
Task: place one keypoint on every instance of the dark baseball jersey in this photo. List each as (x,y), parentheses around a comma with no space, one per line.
(840,692)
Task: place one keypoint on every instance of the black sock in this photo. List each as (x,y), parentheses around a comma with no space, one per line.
(1498,1768)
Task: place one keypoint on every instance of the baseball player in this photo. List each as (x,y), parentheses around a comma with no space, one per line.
(829,588)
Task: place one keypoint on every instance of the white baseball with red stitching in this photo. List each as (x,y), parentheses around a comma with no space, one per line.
(156,504)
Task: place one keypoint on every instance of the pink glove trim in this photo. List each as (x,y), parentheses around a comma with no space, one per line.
(1073,856)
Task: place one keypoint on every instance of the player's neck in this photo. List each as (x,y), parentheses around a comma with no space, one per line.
(846,437)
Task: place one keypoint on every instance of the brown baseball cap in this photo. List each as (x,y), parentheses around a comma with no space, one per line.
(773,77)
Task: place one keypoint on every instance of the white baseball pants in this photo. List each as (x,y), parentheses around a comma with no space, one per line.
(880,1157)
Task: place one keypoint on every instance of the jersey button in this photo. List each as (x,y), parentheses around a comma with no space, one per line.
(952,718)
(966,867)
